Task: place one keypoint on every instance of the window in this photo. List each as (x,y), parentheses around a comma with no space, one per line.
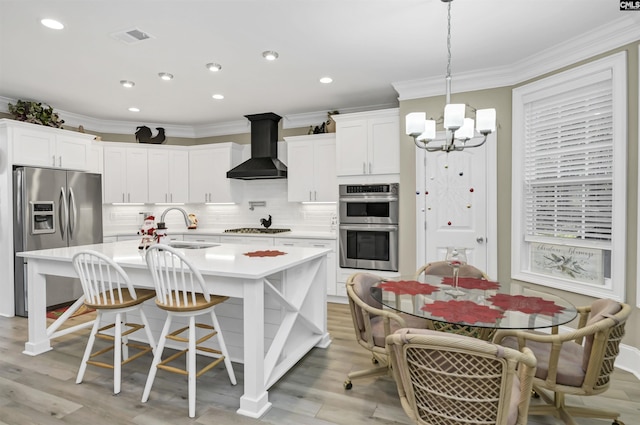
(569,180)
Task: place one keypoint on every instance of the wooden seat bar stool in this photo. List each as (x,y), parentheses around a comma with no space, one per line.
(108,289)
(181,292)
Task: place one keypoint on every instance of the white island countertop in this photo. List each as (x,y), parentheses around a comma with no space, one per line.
(281,300)
(219,259)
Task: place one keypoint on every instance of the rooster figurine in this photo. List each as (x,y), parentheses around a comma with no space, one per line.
(266,223)
(143,135)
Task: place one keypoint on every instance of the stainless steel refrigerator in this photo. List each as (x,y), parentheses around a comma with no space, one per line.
(53,209)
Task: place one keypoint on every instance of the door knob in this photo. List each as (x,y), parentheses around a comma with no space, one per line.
(480,239)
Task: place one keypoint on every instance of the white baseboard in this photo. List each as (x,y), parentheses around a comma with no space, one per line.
(629,359)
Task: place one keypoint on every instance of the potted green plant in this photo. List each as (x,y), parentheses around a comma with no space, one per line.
(36,113)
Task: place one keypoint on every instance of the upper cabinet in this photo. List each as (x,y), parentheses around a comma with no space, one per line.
(311,168)
(168,174)
(38,146)
(208,166)
(368,143)
(125,177)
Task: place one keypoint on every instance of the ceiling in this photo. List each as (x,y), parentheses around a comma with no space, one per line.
(366,46)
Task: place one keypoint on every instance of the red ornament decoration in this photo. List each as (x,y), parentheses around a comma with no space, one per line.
(471,190)
(449,223)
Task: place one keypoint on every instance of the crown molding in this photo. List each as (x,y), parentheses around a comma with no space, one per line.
(600,40)
(219,129)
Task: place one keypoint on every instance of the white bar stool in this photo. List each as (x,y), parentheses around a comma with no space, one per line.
(181,292)
(107,289)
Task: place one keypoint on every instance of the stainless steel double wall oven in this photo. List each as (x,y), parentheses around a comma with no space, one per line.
(369,226)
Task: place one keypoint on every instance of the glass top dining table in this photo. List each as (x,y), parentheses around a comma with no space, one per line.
(479,307)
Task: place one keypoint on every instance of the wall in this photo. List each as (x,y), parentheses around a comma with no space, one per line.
(500,98)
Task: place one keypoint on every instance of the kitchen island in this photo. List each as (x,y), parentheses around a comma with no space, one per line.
(277,306)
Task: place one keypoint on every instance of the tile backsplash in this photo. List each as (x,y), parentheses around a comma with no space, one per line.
(309,217)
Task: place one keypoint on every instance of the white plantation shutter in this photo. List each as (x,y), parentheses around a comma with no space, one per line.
(569,172)
(568,165)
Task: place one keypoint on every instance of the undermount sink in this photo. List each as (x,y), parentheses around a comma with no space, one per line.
(194,245)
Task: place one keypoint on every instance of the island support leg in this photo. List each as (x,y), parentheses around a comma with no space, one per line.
(38,341)
(255,400)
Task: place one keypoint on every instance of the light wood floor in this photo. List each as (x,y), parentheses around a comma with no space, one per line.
(41,390)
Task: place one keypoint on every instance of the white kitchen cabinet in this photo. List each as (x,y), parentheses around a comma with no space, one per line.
(125,176)
(368,143)
(168,174)
(208,166)
(95,159)
(311,168)
(38,146)
(331,257)
(247,240)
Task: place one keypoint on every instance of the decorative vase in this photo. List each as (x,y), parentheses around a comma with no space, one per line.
(331,124)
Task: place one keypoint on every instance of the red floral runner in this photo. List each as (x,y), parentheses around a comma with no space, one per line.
(463,311)
(408,287)
(472,283)
(266,253)
(525,304)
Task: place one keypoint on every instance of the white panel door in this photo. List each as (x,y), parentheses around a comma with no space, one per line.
(456,205)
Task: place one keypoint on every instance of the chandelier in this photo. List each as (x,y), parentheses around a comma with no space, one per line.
(460,132)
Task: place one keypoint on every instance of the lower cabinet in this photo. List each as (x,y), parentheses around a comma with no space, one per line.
(247,240)
(318,243)
(201,238)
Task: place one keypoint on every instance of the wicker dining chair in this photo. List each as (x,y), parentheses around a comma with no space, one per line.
(372,324)
(443,268)
(447,379)
(181,292)
(108,289)
(579,362)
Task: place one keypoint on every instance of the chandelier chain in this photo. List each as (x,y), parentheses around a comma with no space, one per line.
(449,39)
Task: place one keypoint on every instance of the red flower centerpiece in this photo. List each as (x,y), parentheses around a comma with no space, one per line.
(408,287)
(524,304)
(266,253)
(455,311)
(472,283)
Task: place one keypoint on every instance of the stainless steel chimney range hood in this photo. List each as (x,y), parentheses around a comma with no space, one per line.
(264,162)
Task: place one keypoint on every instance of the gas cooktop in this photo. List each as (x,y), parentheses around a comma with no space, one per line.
(256,230)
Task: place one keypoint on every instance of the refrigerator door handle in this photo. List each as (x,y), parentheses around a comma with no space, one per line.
(73,213)
(64,218)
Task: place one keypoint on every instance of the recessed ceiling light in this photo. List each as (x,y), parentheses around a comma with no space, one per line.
(218,96)
(214,67)
(326,80)
(126,83)
(134,109)
(165,76)
(270,55)
(52,23)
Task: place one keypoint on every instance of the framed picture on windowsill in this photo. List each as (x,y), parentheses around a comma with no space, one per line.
(568,262)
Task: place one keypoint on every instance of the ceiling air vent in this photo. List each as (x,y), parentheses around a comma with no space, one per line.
(132,35)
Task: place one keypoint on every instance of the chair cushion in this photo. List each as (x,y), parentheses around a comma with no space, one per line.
(600,309)
(377,327)
(570,370)
(362,283)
